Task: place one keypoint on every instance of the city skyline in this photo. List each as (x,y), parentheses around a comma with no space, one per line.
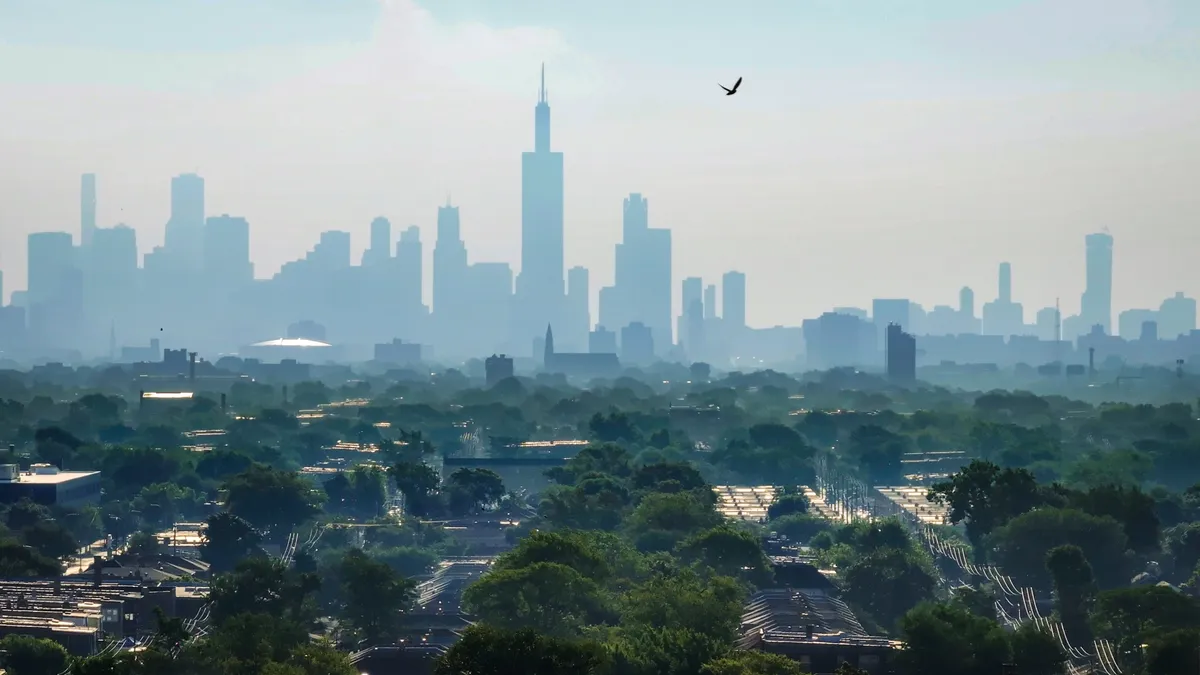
(1019,172)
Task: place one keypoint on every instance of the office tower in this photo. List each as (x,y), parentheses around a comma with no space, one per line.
(1003,317)
(227,250)
(901,355)
(1149,331)
(966,302)
(87,209)
(540,284)
(55,286)
(1129,322)
(637,344)
(332,251)
(885,312)
(1096,304)
(578,320)
(838,340)
(410,259)
(1176,316)
(184,239)
(710,302)
(111,275)
(602,341)
(641,290)
(2,300)
(380,249)
(691,299)
(451,295)
(484,313)
(733,297)
(1047,323)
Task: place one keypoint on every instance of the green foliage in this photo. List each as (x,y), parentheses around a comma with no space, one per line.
(487,650)
(752,663)
(24,655)
(1021,546)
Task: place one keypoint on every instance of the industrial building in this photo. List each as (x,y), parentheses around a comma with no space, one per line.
(44,484)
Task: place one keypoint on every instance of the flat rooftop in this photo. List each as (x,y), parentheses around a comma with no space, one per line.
(29,478)
(167,395)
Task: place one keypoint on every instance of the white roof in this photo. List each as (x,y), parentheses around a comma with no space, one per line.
(291,342)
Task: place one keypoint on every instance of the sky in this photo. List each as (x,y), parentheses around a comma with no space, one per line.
(876,149)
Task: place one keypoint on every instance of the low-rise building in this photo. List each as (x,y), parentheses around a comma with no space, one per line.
(44,484)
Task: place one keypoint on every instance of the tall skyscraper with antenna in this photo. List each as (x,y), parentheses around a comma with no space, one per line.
(540,286)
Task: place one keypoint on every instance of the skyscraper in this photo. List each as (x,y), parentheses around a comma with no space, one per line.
(1096,304)
(1003,317)
(966,303)
(410,258)
(900,355)
(578,312)
(227,251)
(87,209)
(380,250)
(55,283)
(733,300)
(1177,316)
(450,284)
(691,304)
(710,301)
(540,284)
(1005,295)
(184,238)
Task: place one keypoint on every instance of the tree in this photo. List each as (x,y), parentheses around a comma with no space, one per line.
(986,497)
(598,502)
(487,650)
(471,490)
(1183,542)
(376,596)
(162,504)
(547,597)
(788,505)
(662,650)
(263,586)
(569,548)
(418,482)
(50,539)
(729,552)
(1074,590)
(879,453)
(144,546)
(24,655)
(17,561)
(1132,616)
(683,599)
(889,582)
(1174,653)
(662,520)
(604,458)
(1036,652)
(1020,547)
(950,640)
(228,539)
(752,663)
(1134,509)
(270,500)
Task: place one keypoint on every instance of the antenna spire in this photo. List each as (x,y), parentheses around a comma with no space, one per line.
(542,90)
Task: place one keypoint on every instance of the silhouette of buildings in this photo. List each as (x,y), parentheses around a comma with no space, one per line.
(497,368)
(577,317)
(1176,316)
(602,341)
(398,352)
(642,286)
(1096,304)
(637,344)
(87,209)
(540,294)
(901,362)
(574,364)
(1004,317)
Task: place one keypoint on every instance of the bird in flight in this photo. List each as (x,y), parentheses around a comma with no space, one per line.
(731,92)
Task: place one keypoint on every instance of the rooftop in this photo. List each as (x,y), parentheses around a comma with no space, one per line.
(291,342)
(43,477)
(168,395)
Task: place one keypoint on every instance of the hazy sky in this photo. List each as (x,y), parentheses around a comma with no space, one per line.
(877,148)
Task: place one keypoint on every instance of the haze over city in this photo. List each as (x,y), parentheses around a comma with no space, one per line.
(871,153)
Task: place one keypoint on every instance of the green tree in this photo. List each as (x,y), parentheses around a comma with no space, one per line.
(418,482)
(1036,652)
(228,539)
(1074,590)
(597,502)
(472,490)
(263,586)
(487,650)
(272,501)
(24,655)
(752,663)
(662,520)
(685,600)
(376,596)
(1020,547)
(729,552)
(18,561)
(788,505)
(949,640)
(889,582)
(547,597)
(986,497)
(1174,653)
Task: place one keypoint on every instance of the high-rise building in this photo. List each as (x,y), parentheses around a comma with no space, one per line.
(642,285)
(901,355)
(691,302)
(578,320)
(184,239)
(55,284)
(87,209)
(227,250)
(733,299)
(380,249)
(966,302)
(451,292)
(540,284)
(110,267)
(710,302)
(1096,304)
(410,259)
(602,341)
(637,344)
(486,305)
(1004,317)
(1176,316)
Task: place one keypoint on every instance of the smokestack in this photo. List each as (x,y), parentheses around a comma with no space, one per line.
(223,407)
(192,366)
(97,571)
(1092,360)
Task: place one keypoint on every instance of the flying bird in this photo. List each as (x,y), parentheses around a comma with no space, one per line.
(731,92)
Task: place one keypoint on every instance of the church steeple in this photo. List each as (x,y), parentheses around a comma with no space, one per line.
(549,349)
